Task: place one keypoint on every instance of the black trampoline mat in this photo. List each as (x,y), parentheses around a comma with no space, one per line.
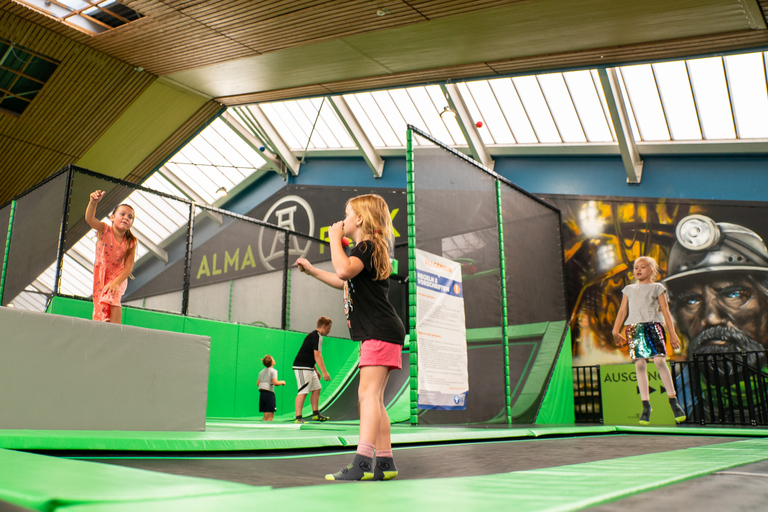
(743,488)
(436,461)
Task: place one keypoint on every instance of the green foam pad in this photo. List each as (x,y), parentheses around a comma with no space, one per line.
(46,483)
(571,487)
(238,434)
(242,436)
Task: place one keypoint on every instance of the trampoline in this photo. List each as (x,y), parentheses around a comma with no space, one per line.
(530,467)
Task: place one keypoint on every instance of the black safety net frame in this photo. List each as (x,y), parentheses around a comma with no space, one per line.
(508,243)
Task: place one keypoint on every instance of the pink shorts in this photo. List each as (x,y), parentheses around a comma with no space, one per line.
(381,353)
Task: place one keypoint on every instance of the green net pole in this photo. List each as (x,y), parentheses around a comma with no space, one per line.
(414,416)
(288,274)
(7,250)
(504,324)
(229,311)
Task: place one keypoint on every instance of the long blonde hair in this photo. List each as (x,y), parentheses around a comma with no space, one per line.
(376,229)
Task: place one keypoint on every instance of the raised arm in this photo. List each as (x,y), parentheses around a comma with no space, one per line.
(326,277)
(90,211)
(346,268)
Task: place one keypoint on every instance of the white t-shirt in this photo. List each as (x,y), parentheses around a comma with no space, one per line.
(643,299)
(265,379)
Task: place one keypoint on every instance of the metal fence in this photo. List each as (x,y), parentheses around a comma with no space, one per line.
(725,388)
(586,394)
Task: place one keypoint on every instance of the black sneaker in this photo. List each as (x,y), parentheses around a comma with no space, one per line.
(320,417)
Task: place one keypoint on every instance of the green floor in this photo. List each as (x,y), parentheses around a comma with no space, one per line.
(47,483)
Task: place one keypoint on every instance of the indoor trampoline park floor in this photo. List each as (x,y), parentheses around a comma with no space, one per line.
(239,465)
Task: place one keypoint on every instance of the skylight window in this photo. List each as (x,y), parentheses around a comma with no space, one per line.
(712,99)
(640,85)
(23,73)
(561,105)
(89,16)
(749,97)
(537,109)
(677,99)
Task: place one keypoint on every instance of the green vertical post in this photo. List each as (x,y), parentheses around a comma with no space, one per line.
(7,250)
(288,274)
(229,311)
(504,323)
(414,377)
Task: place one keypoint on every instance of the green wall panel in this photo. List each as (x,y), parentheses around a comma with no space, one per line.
(71,307)
(223,366)
(253,344)
(153,320)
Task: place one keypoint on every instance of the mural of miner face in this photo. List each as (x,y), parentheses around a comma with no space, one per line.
(718,281)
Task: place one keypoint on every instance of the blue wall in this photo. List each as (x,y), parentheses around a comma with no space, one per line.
(721,177)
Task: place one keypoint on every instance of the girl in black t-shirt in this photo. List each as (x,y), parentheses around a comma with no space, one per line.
(364,277)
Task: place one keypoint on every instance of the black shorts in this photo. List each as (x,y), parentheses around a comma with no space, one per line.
(267,401)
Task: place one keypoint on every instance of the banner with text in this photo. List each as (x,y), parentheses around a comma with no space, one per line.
(441,333)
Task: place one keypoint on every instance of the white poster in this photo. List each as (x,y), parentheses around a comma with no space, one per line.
(441,333)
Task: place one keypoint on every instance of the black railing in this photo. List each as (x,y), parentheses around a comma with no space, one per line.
(586,394)
(726,388)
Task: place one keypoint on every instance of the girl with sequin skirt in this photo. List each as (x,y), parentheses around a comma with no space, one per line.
(645,308)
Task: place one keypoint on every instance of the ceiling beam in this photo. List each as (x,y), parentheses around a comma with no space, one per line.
(476,146)
(274,162)
(189,192)
(275,140)
(149,244)
(630,156)
(80,259)
(350,122)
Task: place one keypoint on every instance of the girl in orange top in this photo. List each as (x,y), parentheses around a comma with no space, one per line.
(115,254)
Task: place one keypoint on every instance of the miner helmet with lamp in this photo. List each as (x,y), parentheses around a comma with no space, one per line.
(704,245)
(718,282)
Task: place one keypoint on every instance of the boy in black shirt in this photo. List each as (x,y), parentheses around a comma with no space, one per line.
(307,376)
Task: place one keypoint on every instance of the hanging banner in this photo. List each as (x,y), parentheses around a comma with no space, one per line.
(441,333)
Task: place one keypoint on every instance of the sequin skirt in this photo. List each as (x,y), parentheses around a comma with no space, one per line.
(646,340)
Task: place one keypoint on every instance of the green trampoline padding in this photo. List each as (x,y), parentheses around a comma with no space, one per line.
(46,483)
(571,487)
(242,434)
(286,436)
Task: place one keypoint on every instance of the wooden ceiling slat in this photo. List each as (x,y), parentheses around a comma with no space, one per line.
(172,145)
(177,36)
(571,60)
(86,94)
(432,9)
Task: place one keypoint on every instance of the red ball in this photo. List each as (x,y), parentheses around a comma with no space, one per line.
(344,241)
(479,124)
